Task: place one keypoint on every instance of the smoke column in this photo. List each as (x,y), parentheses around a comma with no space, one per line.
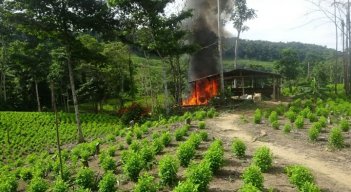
(204,27)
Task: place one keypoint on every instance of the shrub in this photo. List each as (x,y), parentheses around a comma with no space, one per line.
(299,122)
(185,153)
(312,117)
(310,187)
(110,138)
(200,174)
(321,111)
(258,116)
(147,154)
(275,125)
(179,134)
(186,186)
(26,174)
(167,170)
(145,184)
(344,125)
(263,158)
(215,155)
(253,175)
(299,175)
(204,135)
(157,145)
(85,178)
(317,125)
(195,140)
(287,128)
(291,115)
(249,188)
(166,138)
(313,133)
(211,113)
(111,151)
(134,112)
(108,164)
(138,133)
(129,138)
(238,148)
(38,185)
(202,125)
(133,164)
(107,183)
(336,139)
(135,146)
(156,135)
(305,112)
(200,115)
(8,183)
(60,186)
(273,116)
(323,121)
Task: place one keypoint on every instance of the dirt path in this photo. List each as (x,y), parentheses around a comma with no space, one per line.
(329,175)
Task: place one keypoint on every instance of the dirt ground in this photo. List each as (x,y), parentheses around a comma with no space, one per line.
(331,168)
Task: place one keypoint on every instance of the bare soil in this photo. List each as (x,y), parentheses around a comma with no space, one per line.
(331,168)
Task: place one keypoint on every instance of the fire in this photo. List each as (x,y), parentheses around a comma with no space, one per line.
(203,91)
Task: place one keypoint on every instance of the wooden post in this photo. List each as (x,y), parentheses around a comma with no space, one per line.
(274,89)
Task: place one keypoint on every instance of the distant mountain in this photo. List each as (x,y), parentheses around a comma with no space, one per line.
(271,51)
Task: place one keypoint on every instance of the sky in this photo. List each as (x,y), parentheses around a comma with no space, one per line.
(288,20)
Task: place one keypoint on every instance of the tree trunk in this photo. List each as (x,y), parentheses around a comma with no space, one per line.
(220,48)
(336,51)
(348,44)
(74,97)
(53,103)
(236,50)
(37,95)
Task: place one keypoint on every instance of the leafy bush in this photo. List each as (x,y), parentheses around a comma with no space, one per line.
(312,117)
(299,175)
(107,183)
(336,139)
(287,128)
(38,185)
(318,126)
(204,135)
(263,158)
(157,145)
(313,133)
(344,125)
(26,174)
(258,116)
(138,133)
(200,115)
(195,140)
(166,138)
(202,125)
(133,164)
(305,112)
(156,135)
(215,155)
(275,124)
(321,111)
(185,153)
(253,175)
(129,138)
(85,178)
(111,151)
(299,122)
(8,183)
(291,115)
(110,138)
(135,146)
(134,112)
(186,186)
(179,134)
(147,154)
(200,174)
(310,187)
(60,186)
(323,121)
(211,113)
(273,117)
(108,164)
(249,188)
(238,148)
(167,170)
(145,184)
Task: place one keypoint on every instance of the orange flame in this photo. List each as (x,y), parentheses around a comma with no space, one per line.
(203,91)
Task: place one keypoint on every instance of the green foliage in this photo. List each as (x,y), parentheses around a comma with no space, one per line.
(287,128)
(60,186)
(312,117)
(263,158)
(107,183)
(147,153)
(258,116)
(157,145)
(249,188)
(273,117)
(202,125)
(211,113)
(132,165)
(336,139)
(108,163)
(313,133)
(185,153)
(133,112)
(310,187)
(253,175)
(8,183)
(200,115)
(317,125)
(275,124)
(299,175)
(166,138)
(321,111)
(299,122)
(180,133)
(238,148)
(291,115)
(186,186)
(138,133)
(344,125)
(199,174)
(195,140)
(38,185)
(204,135)
(85,178)
(26,174)
(135,145)
(167,170)
(323,121)
(129,138)
(215,155)
(145,184)
(305,112)
(111,150)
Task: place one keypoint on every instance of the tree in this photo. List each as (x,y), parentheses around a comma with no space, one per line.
(241,13)
(64,20)
(288,66)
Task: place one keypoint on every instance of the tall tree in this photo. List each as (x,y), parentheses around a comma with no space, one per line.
(288,66)
(241,13)
(63,20)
